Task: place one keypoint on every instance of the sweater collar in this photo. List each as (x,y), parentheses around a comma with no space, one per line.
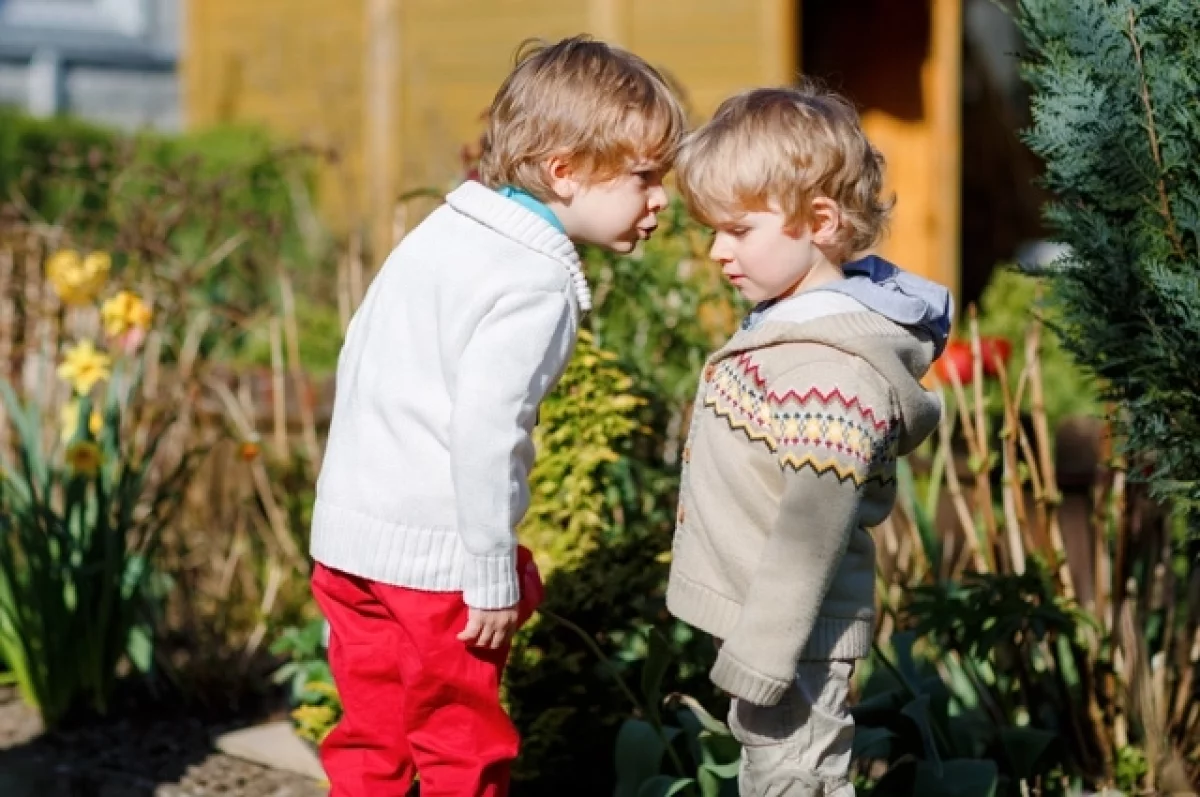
(528,200)
(522,225)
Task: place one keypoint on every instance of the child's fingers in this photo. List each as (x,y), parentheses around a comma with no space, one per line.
(496,637)
(504,633)
(490,639)
(489,629)
(493,634)
(472,632)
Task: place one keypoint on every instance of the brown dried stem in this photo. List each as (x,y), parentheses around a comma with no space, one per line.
(1164,202)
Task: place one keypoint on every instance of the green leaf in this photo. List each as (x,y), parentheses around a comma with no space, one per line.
(872,742)
(664,786)
(715,748)
(898,780)
(692,729)
(956,778)
(1025,748)
(639,753)
(655,669)
(708,721)
(710,784)
(880,708)
(931,539)
(905,663)
(971,735)
(917,710)
(723,771)
(140,647)
(939,696)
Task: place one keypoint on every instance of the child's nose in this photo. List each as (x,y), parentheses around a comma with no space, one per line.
(658,198)
(719,252)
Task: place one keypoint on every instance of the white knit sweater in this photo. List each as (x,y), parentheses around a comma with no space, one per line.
(467,326)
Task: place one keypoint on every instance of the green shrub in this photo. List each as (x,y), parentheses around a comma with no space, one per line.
(209,218)
(599,522)
(936,743)
(675,747)
(316,706)
(32,150)
(1116,119)
(63,169)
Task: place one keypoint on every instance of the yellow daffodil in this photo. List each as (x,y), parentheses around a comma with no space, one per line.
(84,458)
(75,278)
(69,418)
(125,312)
(84,366)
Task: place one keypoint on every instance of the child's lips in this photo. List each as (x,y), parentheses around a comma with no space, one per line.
(644,233)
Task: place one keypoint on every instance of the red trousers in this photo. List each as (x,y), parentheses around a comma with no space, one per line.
(414,698)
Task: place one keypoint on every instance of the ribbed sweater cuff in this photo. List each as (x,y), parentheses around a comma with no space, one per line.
(839,638)
(740,681)
(490,582)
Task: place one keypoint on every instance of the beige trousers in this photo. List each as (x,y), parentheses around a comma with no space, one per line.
(800,747)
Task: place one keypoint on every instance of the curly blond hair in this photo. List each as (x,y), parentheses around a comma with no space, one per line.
(782,148)
(600,107)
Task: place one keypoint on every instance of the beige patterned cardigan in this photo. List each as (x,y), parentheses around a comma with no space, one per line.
(790,459)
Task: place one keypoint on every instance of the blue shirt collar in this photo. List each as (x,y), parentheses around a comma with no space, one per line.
(532,203)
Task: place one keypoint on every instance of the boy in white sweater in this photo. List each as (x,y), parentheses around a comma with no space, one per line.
(468,325)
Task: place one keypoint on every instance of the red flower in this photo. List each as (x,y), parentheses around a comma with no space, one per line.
(993,349)
(956,359)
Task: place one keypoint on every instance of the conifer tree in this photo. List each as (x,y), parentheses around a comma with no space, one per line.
(1116,119)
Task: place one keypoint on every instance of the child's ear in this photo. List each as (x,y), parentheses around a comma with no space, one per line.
(562,178)
(826,220)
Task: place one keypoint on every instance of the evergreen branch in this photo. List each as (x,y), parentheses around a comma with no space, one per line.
(1164,203)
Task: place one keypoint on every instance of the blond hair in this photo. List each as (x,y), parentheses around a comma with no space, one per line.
(601,108)
(782,148)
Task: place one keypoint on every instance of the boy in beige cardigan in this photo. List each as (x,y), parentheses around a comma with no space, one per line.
(797,425)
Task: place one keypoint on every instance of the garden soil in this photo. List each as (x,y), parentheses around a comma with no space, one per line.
(152,757)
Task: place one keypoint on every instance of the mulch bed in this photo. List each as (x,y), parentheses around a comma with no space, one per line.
(141,756)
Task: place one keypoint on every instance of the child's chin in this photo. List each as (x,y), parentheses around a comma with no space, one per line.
(621,247)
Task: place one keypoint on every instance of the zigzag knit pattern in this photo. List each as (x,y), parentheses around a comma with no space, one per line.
(828,432)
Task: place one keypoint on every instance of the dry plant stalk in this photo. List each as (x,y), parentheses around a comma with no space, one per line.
(241,416)
(308,421)
(278,392)
(954,489)
(1051,498)
(983,484)
(1148,693)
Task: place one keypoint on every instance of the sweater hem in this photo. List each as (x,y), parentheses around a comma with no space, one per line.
(845,638)
(426,559)
(699,606)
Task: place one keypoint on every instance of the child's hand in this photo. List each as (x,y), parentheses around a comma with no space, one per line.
(489,628)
